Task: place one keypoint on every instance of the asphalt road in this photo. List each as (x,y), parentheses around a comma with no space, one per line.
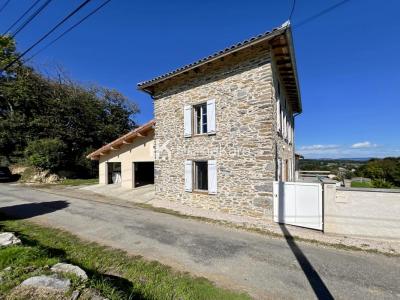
(264,267)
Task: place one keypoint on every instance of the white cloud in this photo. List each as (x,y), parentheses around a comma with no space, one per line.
(319,147)
(365,144)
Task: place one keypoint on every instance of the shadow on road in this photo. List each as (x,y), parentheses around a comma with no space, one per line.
(29,210)
(317,284)
(321,291)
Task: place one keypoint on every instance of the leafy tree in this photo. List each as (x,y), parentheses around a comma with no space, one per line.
(381,183)
(382,170)
(46,154)
(35,107)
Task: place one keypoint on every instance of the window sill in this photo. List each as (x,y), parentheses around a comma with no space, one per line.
(203,192)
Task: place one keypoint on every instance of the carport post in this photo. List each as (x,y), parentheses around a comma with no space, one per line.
(133,175)
(103,172)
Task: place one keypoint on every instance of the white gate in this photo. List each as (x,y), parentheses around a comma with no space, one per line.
(298,203)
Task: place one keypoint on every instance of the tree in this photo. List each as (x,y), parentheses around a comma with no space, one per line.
(46,154)
(35,107)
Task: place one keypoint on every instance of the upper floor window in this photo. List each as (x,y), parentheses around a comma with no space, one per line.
(200,118)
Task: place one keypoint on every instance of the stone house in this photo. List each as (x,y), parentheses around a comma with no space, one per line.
(224,126)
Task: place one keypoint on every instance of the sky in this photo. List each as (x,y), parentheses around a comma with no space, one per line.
(348,60)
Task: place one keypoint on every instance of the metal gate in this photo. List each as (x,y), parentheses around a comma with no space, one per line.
(298,203)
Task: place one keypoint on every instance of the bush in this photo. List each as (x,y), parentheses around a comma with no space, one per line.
(380,183)
(46,154)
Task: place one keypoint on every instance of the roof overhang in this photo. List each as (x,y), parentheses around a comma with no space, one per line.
(128,138)
(280,37)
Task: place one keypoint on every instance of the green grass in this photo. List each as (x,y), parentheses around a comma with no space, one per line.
(75,182)
(132,277)
(357,184)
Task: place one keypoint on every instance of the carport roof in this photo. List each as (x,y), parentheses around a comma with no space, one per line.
(125,139)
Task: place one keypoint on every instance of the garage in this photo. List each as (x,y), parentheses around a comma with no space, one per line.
(128,161)
(144,173)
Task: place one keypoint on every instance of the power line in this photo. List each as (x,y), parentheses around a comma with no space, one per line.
(30,18)
(4,5)
(48,33)
(69,29)
(323,12)
(291,12)
(22,16)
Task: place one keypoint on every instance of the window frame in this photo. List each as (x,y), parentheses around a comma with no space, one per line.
(203,119)
(194,176)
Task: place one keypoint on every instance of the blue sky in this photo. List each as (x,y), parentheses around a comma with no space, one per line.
(348,60)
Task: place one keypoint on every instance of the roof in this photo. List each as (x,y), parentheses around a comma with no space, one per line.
(125,139)
(289,60)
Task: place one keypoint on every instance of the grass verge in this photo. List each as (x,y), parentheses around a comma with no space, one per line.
(76,182)
(357,184)
(115,274)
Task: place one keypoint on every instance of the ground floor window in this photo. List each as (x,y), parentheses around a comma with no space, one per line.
(201,175)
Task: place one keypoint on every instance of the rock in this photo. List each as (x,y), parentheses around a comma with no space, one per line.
(7,269)
(52,281)
(75,295)
(68,268)
(37,293)
(8,238)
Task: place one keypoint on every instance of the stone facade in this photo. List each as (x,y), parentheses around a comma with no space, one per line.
(246,143)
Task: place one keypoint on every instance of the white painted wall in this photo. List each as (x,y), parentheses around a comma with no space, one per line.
(373,214)
(142,149)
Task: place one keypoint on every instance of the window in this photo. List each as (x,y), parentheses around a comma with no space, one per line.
(201,175)
(200,118)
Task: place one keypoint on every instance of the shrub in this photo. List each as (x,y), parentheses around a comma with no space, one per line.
(45,154)
(381,183)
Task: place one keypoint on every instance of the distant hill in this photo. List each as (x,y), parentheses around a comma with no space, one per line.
(344,159)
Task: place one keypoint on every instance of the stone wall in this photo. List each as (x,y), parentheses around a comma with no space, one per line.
(244,145)
(285,149)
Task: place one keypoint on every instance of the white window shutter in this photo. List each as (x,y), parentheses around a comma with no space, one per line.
(211,116)
(212,177)
(188,120)
(279,169)
(284,124)
(278,115)
(188,176)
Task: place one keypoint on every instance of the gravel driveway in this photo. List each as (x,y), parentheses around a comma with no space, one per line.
(264,267)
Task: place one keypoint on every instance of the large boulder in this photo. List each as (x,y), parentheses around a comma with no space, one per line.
(52,281)
(8,238)
(68,268)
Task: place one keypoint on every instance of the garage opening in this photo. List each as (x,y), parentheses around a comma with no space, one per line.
(144,173)
(114,173)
